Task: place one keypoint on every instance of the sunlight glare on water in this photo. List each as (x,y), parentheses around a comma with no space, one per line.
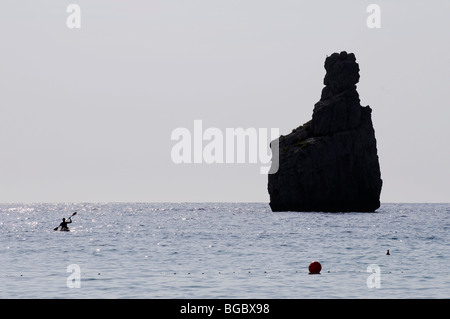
(222,250)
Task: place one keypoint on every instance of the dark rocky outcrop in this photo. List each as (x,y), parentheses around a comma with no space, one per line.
(330,163)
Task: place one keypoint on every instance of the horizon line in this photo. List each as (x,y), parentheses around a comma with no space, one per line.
(180,202)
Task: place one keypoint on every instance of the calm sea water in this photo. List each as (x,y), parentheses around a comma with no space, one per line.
(222,250)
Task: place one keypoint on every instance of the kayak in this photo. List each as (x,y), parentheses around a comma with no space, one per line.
(64,229)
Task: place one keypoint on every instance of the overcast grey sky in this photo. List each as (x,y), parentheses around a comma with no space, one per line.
(86,114)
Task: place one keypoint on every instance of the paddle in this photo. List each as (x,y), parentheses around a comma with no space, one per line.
(56,228)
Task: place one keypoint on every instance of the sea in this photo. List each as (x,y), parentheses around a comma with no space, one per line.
(222,250)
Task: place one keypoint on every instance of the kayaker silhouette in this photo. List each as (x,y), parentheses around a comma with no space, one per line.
(63,225)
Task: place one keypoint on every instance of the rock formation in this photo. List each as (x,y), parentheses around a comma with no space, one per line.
(330,163)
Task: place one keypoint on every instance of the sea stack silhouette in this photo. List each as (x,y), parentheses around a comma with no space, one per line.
(329,164)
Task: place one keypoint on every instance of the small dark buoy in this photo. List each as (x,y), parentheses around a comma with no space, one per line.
(314,268)
(387,253)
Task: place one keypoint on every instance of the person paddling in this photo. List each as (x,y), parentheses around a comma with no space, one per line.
(64,223)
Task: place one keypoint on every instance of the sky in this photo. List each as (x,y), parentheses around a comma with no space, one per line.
(86,114)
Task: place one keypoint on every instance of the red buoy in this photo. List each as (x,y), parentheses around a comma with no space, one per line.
(315,267)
